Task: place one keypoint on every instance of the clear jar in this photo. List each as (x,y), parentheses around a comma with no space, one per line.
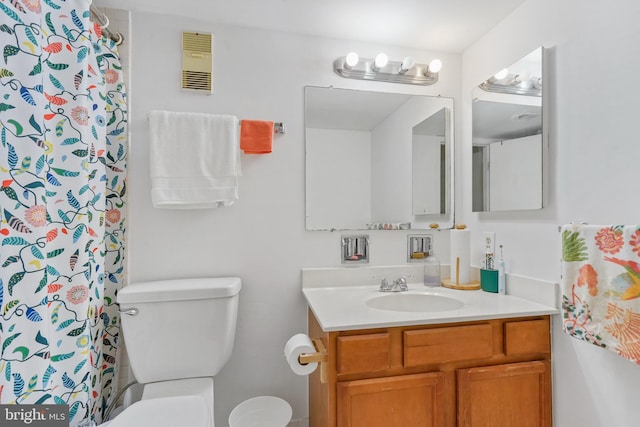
(432,270)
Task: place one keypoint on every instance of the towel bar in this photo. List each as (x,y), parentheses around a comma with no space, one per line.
(573,223)
(278,127)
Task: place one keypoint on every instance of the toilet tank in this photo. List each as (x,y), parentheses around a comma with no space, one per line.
(177,329)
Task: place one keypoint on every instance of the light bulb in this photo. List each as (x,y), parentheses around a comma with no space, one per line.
(501,74)
(407,63)
(537,83)
(381,61)
(435,66)
(524,77)
(352,59)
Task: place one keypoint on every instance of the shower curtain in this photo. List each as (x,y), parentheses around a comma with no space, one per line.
(62,207)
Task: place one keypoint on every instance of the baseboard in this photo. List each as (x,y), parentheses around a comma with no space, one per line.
(302,422)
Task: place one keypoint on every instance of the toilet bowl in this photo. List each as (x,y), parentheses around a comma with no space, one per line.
(178,334)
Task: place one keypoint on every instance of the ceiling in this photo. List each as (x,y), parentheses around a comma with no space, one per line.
(497,121)
(349,109)
(360,110)
(436,25)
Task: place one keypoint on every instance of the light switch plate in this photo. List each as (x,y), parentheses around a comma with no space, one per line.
(488,245)
(489,241)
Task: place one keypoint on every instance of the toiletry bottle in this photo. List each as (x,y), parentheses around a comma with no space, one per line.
(502,283)
(431,270)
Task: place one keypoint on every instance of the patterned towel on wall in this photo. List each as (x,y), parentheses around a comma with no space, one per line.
(601,286)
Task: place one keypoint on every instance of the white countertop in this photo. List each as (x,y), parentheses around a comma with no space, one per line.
(339,308)
(344,308)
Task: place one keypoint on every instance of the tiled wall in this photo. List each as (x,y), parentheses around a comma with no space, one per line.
(120,22)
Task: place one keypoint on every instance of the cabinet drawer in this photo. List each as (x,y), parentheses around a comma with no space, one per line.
(527,336)
(450,344)
(363,353)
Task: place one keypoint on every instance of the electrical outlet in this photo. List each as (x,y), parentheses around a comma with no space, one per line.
(488,250)
(489,241)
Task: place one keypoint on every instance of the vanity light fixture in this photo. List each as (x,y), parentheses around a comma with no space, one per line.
(407,64)
(381,69)
(501,74)
(435,66)
(524,77)
(351,60)
(523,83)
(381,61)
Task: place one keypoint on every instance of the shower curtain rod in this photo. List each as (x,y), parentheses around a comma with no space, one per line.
(103,20)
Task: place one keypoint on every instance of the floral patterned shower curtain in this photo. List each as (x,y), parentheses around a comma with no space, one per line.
(62,203)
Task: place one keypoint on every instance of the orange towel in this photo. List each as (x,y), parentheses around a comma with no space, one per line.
(256,136)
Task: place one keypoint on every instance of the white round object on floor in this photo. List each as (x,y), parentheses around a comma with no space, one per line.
(262,411)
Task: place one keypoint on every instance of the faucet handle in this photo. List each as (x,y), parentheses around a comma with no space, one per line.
(403,279)
(384,283)
(401,282)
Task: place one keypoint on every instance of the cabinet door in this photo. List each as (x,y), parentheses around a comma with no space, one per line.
(517,394)
(401,401)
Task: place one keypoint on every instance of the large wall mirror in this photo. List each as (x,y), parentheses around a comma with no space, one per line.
(508,143)
(377,160)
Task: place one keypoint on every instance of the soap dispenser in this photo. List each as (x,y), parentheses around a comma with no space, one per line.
(432,270)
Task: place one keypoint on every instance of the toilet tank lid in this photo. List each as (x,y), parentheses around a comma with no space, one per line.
(180,289)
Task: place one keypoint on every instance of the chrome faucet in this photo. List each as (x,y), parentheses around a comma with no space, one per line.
(398,285)
(384,285)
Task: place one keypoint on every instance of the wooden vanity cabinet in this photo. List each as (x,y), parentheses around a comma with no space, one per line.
(493,373)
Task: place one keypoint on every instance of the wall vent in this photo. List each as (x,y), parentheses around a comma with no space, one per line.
(197,62)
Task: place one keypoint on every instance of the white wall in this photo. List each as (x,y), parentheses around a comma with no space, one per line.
(338,167)
(262,239)
(425,174)
(593,172)
(515,173)
(391,162)
(391,157)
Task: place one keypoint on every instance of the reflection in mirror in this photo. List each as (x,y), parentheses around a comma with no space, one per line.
(377,160)
(508,138)
(429,165)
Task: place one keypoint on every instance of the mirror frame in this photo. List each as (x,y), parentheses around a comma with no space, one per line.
(408,220)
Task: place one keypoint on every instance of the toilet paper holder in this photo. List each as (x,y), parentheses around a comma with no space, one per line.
(320,356)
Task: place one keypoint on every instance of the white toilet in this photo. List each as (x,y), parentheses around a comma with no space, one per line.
(178,334)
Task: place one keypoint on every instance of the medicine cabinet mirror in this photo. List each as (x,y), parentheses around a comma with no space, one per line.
(508,138)
(377,160)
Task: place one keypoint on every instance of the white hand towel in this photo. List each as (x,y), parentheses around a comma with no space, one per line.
(195,160)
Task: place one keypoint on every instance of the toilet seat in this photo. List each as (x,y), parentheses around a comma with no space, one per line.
(165,412)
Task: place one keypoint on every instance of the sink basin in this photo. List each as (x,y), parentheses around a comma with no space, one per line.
(414,302)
